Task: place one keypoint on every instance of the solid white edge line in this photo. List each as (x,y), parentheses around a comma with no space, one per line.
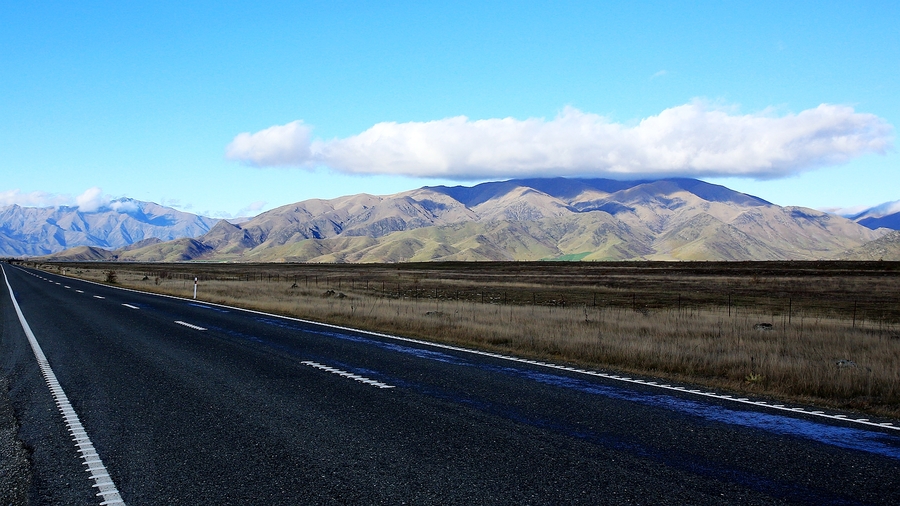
(107,488)
(761,404)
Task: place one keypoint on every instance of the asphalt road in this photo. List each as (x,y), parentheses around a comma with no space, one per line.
(235,407)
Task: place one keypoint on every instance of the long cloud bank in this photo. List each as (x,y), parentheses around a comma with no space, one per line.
(689,140)
(92,200)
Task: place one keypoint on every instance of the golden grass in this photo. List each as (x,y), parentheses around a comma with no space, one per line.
(799,359)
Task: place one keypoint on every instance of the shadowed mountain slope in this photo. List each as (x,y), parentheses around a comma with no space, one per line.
(886,215)
(891,221)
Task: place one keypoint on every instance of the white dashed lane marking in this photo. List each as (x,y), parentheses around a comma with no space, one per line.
(98,297)
(186,324)
(346,374)
(130,306)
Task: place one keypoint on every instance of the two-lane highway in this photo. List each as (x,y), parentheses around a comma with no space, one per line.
(191,403)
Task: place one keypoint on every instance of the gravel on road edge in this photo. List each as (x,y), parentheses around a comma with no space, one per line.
(15,468)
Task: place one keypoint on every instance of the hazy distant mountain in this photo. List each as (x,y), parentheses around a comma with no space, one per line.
(891,221)
(32,231)
(528,219)
(886,215)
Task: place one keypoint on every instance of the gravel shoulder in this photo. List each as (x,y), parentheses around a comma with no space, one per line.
(15,470)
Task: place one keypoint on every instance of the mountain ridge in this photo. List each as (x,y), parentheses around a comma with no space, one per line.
(527,219)
(33,231)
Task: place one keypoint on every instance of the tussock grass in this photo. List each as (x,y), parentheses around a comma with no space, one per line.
(840,350)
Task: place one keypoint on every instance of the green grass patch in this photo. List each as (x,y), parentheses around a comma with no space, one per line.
(571,257)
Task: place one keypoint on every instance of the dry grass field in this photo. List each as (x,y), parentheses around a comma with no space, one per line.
(821,332)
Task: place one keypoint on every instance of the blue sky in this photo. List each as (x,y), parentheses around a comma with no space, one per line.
(227,109)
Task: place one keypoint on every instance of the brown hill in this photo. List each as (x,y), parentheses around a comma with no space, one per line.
(82,254)
(885,248)
(534,219)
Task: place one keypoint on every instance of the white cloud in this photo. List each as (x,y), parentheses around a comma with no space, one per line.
(878,211)
(175,204)
(243,214)
(695,140)
(33,199)
(659,74)
(884,209)
(91,200)
(255,206)
(277,145)
(123,206)
(846,212)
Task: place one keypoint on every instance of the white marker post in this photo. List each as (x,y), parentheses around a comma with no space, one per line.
(195,288)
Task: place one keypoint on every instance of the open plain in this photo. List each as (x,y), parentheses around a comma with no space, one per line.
(821,332)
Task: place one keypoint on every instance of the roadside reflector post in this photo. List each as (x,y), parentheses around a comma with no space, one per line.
(195,287)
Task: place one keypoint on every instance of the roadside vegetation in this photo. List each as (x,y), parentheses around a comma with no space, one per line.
(820,332)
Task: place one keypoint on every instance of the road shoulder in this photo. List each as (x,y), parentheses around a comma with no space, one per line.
(15,470)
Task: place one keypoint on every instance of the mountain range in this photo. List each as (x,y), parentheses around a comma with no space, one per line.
(524,219)
(33,231)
